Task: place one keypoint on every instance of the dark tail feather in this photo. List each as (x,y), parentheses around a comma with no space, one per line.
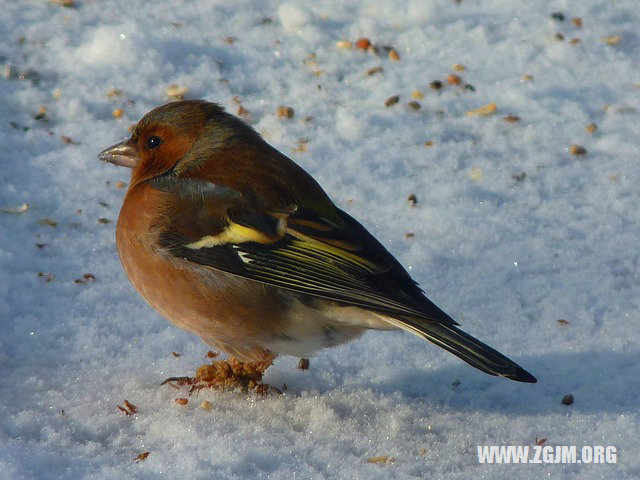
(469,349)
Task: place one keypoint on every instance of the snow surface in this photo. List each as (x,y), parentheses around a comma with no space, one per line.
(507,258)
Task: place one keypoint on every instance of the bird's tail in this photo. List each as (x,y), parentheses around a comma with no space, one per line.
(468,348)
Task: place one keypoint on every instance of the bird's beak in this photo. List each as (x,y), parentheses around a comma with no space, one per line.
(122,154)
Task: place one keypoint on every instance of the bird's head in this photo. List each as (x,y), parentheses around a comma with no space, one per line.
(175,138)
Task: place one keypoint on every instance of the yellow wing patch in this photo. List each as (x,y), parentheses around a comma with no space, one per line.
(233,234)
(325,249)
(303,248)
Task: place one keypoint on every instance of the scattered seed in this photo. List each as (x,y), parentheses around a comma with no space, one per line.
(591,128)
(519,177)
(302,145)
(577,22)
(142,456)
(541,441)
(527,78)
(381,459)
(344,44)
(511,118)
(41,245)
(117,113)
(42,112)
(428,143)
(436,84)
(86,278)
(303,364)
(130,406)
(48,222)
(120,184)
(558,16)
(311,60)
(363,43)
(575,41)
(373,49)
(69,140)
(458,67)
(484,110)
(562,321)
(374,70)
(412,200)
(577,150)
(212,354)
(409,235)
(392,100)
(104,220)
(422,451)
(63,3)
(114,92)
(393,55)
(567,399)
(206,405)
(243,112)
(559,36)
(182,401)
(417,94)
(284,111)
(57,94)
(19,209)
(128,409)
(453,79)
(413,105)
(230,40)
(176,91)
(48,277)
(612,40)
(476,173)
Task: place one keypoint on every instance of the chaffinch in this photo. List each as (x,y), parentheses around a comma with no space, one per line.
(231,240)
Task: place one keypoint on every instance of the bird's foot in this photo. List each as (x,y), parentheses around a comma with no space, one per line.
(179,381)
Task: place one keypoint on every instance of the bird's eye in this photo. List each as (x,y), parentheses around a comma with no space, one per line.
(153,142)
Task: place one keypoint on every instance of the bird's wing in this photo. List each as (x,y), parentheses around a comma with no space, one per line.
(294,248)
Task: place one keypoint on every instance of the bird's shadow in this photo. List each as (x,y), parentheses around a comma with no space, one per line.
(600,382)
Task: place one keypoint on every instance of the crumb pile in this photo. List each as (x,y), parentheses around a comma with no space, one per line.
(231,374)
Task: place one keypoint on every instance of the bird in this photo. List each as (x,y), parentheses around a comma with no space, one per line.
(231,240)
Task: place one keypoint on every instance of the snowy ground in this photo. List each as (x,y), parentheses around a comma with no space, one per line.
(507,254)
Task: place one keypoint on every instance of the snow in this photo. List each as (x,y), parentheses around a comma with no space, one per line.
(507,258)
